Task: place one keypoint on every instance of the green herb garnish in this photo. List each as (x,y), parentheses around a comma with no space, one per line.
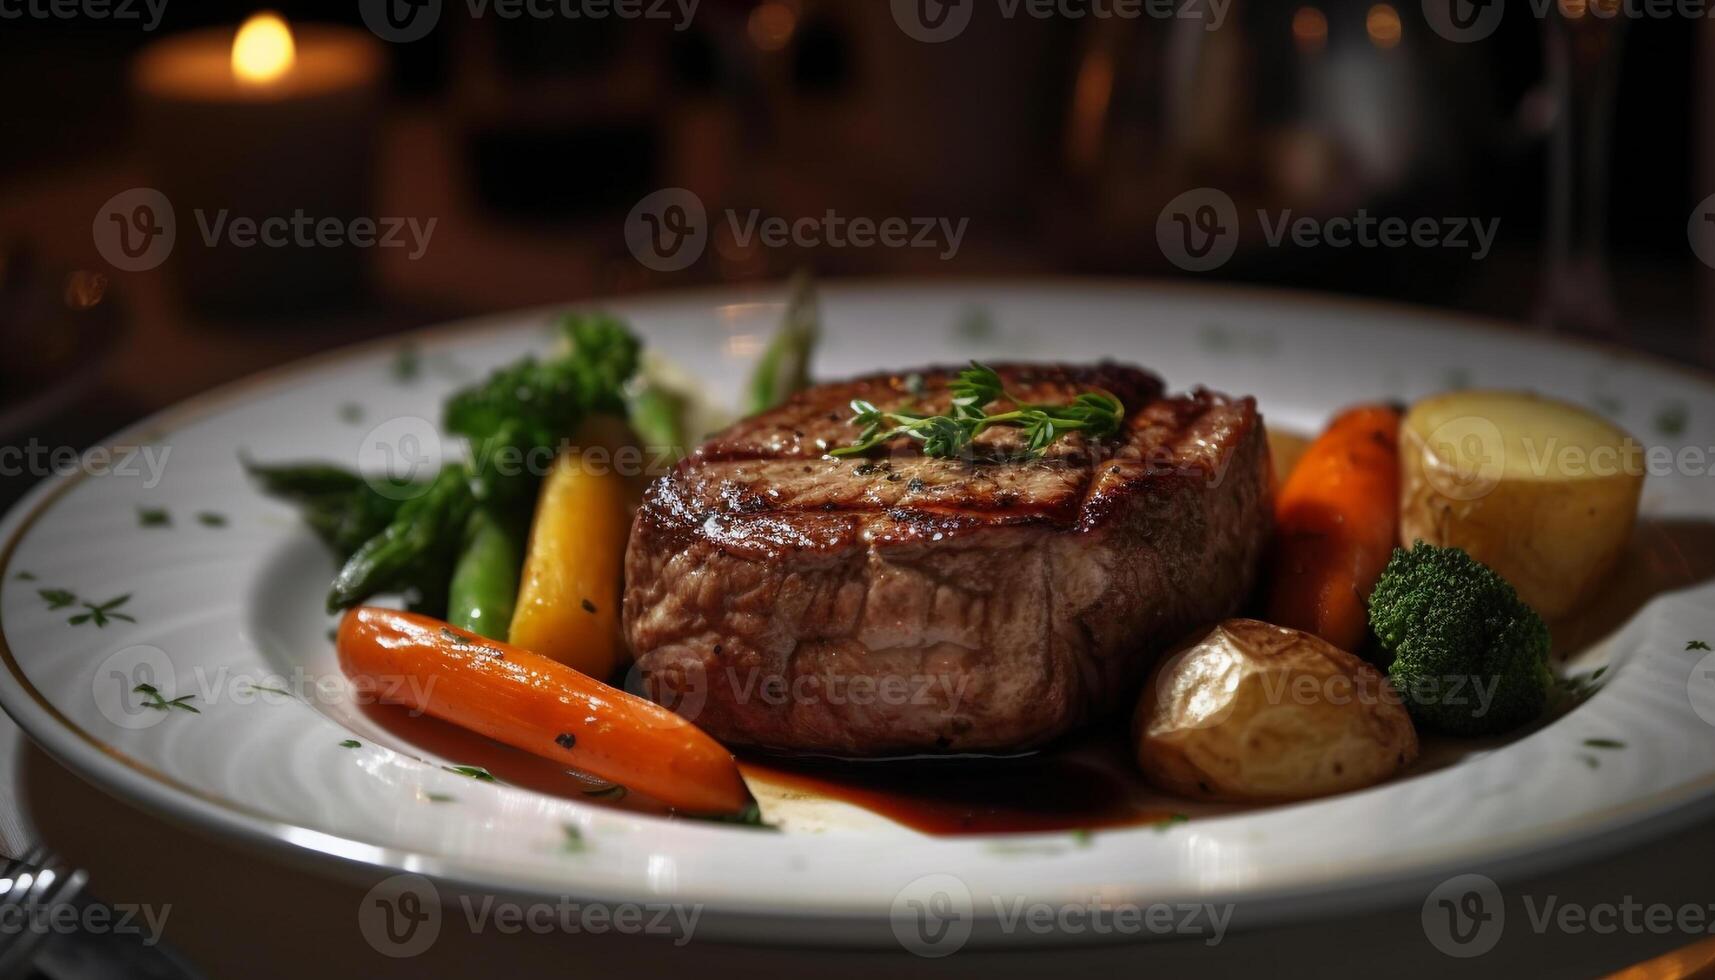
(750,816)
(1604,743)
(1010,849)
(1220,339)
(152,698)
(351,743)
(1569,692)
(407,364)
(209,518)
(26,576)
(1670,419)
(154,517)
(1096,413)
(1175,819)
(574,842)
(57,598)
(1696,645)
(101,613)
(477,773)
(976,324)
(440,797)
(351,413)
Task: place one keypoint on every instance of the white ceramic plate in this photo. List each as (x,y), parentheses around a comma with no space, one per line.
(224,604)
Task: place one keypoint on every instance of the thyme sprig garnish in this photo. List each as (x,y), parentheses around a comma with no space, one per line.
(1097,413)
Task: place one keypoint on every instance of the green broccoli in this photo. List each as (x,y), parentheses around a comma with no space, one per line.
(1469,657)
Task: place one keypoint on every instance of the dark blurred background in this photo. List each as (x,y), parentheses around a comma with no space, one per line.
(528,140)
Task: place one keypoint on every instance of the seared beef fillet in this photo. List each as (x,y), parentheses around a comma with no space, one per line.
(902,604)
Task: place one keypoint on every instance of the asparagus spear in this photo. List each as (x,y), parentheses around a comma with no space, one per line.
(415,551)
(336,503)
(785,365)
(657,415)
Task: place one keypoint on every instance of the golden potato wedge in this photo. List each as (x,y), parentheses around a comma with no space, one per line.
(1257,713)
(1541,491)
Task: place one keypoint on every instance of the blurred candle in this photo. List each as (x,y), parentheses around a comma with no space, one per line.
(1383,25)
(1309,29)
(262,51)
(266,122)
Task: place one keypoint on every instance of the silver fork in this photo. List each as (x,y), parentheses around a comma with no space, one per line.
(30,888)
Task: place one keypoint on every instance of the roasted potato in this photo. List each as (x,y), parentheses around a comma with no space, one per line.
(1254,713)
(1543,492)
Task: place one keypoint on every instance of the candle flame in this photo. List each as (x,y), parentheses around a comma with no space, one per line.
(263,49)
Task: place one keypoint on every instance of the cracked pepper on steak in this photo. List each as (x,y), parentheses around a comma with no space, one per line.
(903,604)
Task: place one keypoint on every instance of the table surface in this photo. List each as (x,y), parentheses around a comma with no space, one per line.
(239,913)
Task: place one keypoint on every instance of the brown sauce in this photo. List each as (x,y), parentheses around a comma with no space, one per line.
(1086,783)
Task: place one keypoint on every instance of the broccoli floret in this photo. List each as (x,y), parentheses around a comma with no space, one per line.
(1469,657)
(538,402)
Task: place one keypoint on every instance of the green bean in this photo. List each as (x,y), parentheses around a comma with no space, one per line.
(484,584)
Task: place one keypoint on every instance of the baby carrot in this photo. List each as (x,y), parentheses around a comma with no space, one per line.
(538,705)
(1336,523)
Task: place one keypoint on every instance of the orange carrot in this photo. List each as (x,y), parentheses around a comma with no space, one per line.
(540,706)
(1336,524)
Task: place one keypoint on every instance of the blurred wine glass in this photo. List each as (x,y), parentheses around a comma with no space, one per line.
(1582,53)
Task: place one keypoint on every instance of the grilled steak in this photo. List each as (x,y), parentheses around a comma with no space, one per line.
(903,604)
